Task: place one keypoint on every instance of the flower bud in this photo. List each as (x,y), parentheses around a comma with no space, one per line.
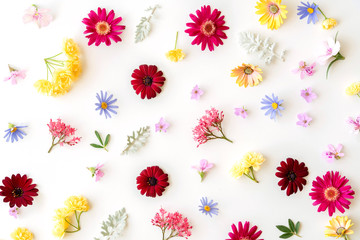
(329,23)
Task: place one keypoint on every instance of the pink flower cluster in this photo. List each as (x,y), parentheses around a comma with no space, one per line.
(333,153)
(175,222)
(305,69)
(15,75)
(60,133)
(209,123)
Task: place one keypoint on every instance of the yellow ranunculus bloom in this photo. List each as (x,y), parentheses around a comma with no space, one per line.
(329,23)
(353,89)
(74,66)
(43,86)
(22,234)
(175,55)
(77,203)
(253,159)
(339,227)
(71,48)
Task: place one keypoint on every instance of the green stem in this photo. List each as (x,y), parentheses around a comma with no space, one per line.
(52,144)
(251,175)
(358,95)
(70,223)
(177,33)
(54,56)
(297,235)
(224,137)
(105,149)
(322,13)
(346,237)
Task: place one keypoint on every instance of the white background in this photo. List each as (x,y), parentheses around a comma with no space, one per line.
(63,172)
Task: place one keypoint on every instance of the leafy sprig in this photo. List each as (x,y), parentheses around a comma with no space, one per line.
(113,227)
(290,231)
(103,143)
(137,140)
(144,27)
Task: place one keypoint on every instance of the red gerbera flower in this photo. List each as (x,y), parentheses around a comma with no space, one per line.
(208,27)
(147,81)
(243,232)
(331,192)
(102,27)
(292,175)
(152,181)
(18,190)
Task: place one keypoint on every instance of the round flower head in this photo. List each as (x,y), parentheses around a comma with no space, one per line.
(247,75)
(147,80)
(21,234)
(18,190)
(71,48)
(272,106)
(152,181)
(353,89)
(207,28)
(106,104)
(243,232)
(101,27)
(331,192)
(292,175)
(77,203)
(339,227)
(272,13)
(310,11)
(208,207)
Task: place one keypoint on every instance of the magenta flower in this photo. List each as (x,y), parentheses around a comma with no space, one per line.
(96,171)
(242,112)
(355,124)
(304,120)
(60,134)
(333,153)
(15,75)
(308,94)
(14,212)
(305,69)
(161,126)
(41,16)
(196,93)
(203,168)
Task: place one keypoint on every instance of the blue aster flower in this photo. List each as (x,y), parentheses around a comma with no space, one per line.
(14,133)
(106,104)
(272,106)
(208,207)
(310,11)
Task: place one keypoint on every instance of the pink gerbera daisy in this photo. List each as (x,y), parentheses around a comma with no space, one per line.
(331,192)
(244,232)
(208,27)
(102,27)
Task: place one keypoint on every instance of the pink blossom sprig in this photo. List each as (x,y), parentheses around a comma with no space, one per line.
(15,75)
(173,222)
(96,171)
(208,124)
(203,168)
(355,124)
(61,133)
(41,16)
(333,153)
(305,70)
(14,212)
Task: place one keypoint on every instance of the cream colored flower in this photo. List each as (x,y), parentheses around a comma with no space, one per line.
(77,203)
(329,23)
(253,159)
(353,89)
(239,169)
(175,55)
(43,86)
(21,234)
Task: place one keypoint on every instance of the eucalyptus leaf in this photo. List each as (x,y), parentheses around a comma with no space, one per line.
(114,226)
(144,27)
(98,137)
(107,139)
(137,140)
(283,228)
(286,235)
(96,146)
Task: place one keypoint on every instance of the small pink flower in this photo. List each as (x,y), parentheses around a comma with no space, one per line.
(41,16)
(242,112)
(308,94)
(161,126)
(333,153)
(196,93)
(97,172)
(355,124)
(203,168)
(15,75)
(13,212)
(305,69)
(60,133)
(331,48)
(304,120)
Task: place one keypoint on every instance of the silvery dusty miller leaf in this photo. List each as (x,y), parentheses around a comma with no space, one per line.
(137,140)
(113,227)
(144,27)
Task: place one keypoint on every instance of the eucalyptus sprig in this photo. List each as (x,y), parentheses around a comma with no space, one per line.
(103,143)
(144,27)
(290,231)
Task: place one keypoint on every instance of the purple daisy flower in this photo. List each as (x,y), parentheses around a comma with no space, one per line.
(106,104)
(310,11)
(208,207)
(14,133)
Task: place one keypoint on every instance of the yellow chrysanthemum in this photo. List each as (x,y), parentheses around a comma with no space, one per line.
(77,203)
(59,229)
(329,23)
(247,75)
(272,13)
(43,86)
(175,55)
(22,234)
(353,89)
(253,159)
(74,66)
(239,169)
(63,213)
(339,227)
(62,77)
(71,48)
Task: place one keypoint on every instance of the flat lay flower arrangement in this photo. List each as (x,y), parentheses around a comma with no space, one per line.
(187,125)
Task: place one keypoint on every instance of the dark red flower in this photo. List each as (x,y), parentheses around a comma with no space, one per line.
(292,175)
(147,81)
(152,181)
(18,190)
(244,232)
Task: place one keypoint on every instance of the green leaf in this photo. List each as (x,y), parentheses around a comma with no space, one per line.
(283,228)
(297,227)
(286,235)
(291,225)
(96,146)
(107,139)
(98,137)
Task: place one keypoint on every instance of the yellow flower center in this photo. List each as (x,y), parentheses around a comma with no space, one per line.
(248,70)
(274,105)
(274,9)
(14,129)
(331,194)
(208,28)
(310,10)
(102,28)
(340,231)
(104,105)
(207,208)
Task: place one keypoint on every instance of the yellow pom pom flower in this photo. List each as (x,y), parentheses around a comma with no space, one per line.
(272,13)
(339,227)
(21,234)
(43,86)
(353,89)
(254,160)
(329,23)
(74,66)
(175,55)
(71,48)
(246,166)
(59,229)
(77,203)
(247,75)
(239,169)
